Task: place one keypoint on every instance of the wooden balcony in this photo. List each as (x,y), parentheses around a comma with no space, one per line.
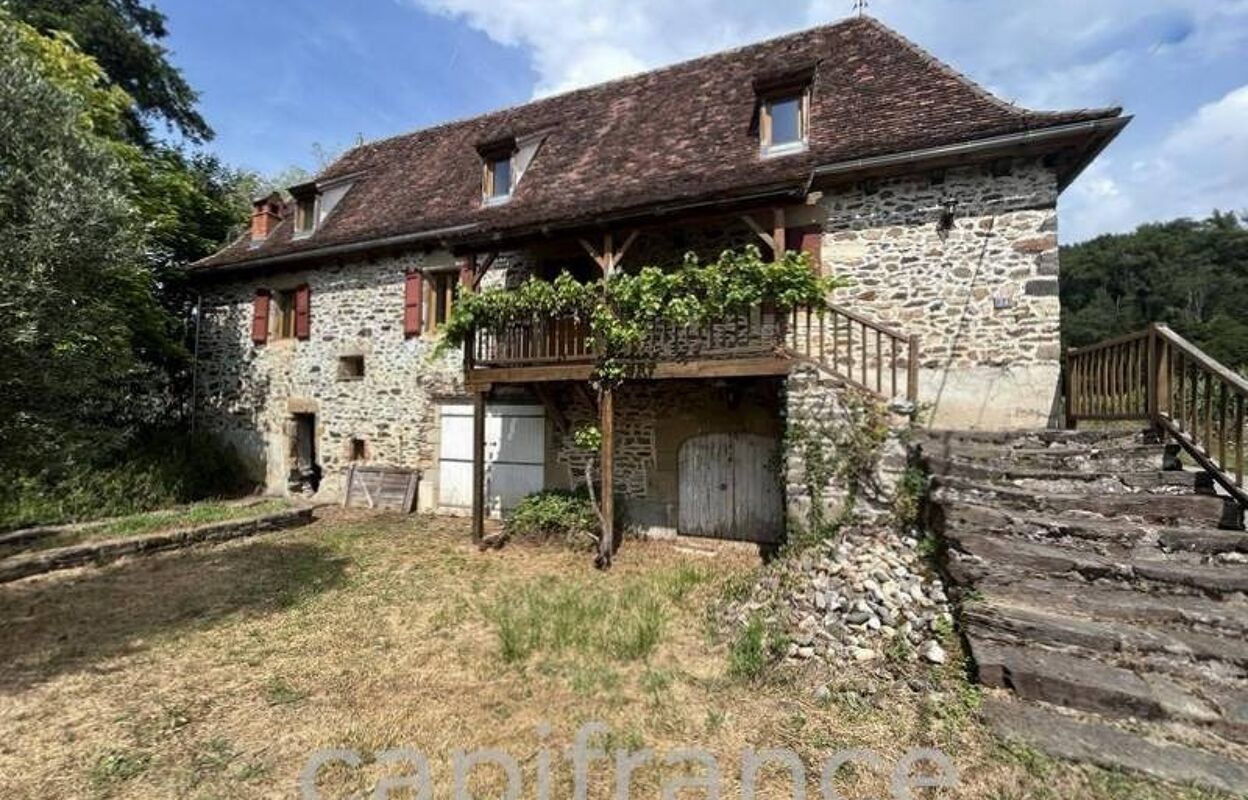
(762,342)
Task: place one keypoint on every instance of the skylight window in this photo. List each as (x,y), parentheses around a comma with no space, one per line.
(783,122)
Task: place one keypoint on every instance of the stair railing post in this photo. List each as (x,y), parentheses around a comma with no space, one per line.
(912,370)
(1153,384)
(1071,387)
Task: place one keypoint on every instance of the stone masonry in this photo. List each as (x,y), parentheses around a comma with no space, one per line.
(249,393)
(981,292)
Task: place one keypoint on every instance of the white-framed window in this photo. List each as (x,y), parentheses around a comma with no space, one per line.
(784,120)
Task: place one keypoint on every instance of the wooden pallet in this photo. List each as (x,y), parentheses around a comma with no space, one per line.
(382,488)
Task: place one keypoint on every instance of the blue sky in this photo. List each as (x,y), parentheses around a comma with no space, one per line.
(285,81)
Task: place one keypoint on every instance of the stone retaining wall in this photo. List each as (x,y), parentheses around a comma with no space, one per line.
(23,566)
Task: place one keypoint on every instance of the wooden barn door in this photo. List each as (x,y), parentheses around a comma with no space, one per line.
(730,488)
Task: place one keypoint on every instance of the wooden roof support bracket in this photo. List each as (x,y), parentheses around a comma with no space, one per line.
(610,257)
(481,268)
(758,230)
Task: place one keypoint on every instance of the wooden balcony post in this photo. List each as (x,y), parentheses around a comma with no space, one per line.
(478,466)
(606,545)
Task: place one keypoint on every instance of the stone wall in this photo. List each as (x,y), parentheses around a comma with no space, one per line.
(981,293)
(822,419)
(249,392)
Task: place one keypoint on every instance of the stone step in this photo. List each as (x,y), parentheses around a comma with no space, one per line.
(976,517)
(1170,509)
(1124,603)
(1066,736)
(1207,542)
(996,559)
(1063,679)
(1110,482)
(1035,438)
(1132,458)
(1004,620)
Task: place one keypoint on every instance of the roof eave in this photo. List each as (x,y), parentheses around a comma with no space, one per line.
(1094,135)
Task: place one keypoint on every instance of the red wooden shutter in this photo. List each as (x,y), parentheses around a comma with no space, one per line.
(303,312)
(260,317)
(807,240)
(412,293)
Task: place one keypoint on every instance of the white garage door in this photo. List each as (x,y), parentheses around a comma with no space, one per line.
(515,455)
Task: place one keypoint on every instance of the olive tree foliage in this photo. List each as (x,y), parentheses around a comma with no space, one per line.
(77,304)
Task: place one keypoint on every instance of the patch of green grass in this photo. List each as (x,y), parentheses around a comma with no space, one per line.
(116,767)
(593,679)
(156,522)
(678,582)
(757,646)
(553,618)
(279,692)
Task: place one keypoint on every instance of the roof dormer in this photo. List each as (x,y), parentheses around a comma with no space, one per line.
(315,201)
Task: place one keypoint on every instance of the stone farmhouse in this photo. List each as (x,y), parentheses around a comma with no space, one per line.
(317,345)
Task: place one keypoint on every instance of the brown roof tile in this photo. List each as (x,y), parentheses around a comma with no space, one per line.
(676,134)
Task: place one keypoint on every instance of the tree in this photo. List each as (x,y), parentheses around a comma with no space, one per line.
(1189,274)
(77,306)
(123,36)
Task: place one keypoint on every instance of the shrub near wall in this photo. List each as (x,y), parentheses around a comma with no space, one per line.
(555,516)
(158,468)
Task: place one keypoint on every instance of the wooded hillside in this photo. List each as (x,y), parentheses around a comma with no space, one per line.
(1189,274)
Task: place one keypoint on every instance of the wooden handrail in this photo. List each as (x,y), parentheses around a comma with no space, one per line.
(862,352)
(1158,376)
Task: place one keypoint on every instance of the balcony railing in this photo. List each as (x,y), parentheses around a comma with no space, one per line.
(861,352)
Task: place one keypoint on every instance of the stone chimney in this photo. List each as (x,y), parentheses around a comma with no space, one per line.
(266,213)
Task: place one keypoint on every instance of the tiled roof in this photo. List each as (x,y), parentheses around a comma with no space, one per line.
(678,134)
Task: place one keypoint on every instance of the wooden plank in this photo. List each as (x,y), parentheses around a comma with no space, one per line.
(778,243)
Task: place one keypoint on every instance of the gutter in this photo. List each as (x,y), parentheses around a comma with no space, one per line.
(333,250)
(1110,127)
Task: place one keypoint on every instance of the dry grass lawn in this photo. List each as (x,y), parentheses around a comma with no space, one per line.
(214,672)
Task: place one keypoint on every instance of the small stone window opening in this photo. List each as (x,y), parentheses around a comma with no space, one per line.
(783,123)
(351,368)
(357,450)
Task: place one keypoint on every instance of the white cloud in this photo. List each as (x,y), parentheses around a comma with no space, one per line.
(1200,165)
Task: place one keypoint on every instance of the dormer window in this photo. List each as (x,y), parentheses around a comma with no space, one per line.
(783,122)
(498,183)
(305,215)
